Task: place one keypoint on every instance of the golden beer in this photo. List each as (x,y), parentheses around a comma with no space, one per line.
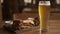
(43,9)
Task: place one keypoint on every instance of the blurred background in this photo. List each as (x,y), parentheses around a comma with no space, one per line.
(21,9)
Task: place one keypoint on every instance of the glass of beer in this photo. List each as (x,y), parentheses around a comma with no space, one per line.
(43,9)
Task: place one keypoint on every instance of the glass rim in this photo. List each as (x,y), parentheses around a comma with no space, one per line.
(44,3)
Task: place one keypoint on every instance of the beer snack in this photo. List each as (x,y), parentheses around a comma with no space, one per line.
(28,23)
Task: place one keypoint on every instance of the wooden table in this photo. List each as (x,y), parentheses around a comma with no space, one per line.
(53,26)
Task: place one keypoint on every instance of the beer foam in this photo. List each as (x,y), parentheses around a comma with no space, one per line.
(47,3)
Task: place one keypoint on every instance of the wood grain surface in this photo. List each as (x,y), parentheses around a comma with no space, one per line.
(53,26)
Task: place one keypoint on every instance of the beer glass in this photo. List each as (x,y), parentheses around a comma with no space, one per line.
(43,9)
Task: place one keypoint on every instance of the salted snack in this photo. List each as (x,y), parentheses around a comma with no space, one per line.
(28,23)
